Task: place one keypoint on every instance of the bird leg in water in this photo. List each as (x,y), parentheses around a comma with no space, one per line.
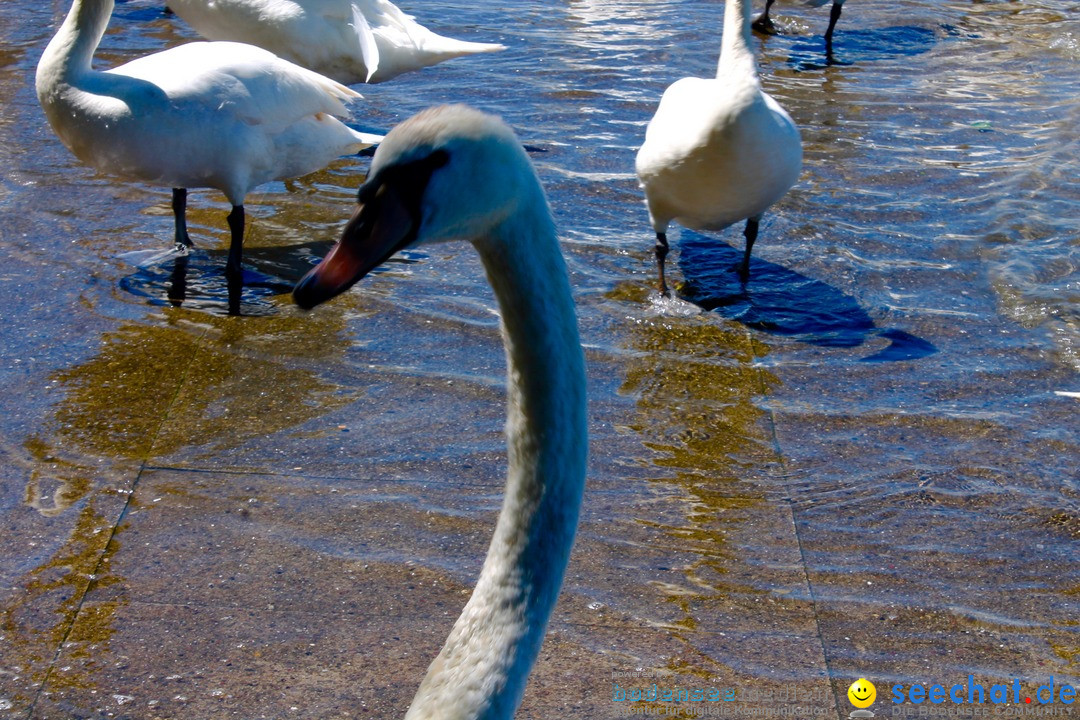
(751,235)
(179,208)
(764,23)
(236,242)
(834,15)
(661,254)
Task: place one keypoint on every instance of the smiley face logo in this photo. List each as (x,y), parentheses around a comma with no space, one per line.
(862,693)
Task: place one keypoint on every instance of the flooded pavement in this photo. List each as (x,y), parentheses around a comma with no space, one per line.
(859,465)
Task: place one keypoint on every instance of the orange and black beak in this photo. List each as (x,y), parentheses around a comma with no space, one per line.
(387,219)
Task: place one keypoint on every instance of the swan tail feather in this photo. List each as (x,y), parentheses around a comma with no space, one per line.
(369,50)
(369,139)
(447,47)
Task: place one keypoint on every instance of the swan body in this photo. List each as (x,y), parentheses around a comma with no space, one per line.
(763,23)
(718,150)
(217,115)
(351,41)
(452,173)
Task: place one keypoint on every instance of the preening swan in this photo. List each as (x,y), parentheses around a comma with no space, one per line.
(764,23)
(351,41)
(219,115)
(718,150)
(452,173)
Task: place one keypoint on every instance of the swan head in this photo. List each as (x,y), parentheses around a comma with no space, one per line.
(447,173)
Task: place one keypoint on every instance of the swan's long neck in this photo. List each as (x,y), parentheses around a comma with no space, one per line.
(71,51)
(482,669)
(736,57)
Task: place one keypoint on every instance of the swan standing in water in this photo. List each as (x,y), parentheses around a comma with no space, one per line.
(718,150)
(764,23)
(351,41)
(453,173)
(218,115)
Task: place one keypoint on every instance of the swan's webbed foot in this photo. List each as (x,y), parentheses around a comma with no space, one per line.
(661,254)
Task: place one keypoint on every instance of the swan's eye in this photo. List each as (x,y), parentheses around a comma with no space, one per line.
(408,178)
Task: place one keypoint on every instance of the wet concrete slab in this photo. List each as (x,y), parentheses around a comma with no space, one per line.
(61,550)
(175,661)
(905,553)
(255,594)
(301,534)
(605,670)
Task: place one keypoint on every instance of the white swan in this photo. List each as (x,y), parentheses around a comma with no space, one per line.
(453,173)
(218,115)
(718,150)
(349,40)
(763,23)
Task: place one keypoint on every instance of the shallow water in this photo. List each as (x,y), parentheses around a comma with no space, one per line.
(858,464)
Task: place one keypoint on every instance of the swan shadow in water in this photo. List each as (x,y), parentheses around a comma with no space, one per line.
(195,280)
(783,302)
(865,45)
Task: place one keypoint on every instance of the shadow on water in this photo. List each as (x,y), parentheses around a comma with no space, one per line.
(869,45)
(197,281)
(783,302)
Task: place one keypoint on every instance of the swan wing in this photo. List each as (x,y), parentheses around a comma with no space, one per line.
(348,40)
(254,85)
(321,35)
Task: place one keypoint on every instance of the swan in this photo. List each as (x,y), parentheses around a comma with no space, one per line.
(453,173)
(218,115)
(720,150)
(351,41)
(764,23)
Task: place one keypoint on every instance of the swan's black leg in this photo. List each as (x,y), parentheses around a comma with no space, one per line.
(661,254)
(834,15)
(763,23)
(236,242)
(751,235)
(179,208)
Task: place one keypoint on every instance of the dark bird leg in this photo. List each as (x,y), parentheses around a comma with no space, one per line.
(763,23)
(834,15)
(234,270)
(236,242)
(751,235)
(179,208)
(661,254)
